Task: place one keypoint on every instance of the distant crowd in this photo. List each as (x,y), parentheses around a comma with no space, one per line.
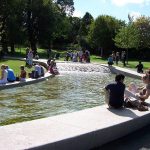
(82,56)
(116,57)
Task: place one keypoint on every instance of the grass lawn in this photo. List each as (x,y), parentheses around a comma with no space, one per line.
(131,64)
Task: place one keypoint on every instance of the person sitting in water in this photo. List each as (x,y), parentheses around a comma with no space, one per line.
(10,76)
(53,68)
(115,92)
(22,73)
(4,73)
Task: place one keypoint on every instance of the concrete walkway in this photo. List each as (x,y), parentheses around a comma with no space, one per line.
(138,140)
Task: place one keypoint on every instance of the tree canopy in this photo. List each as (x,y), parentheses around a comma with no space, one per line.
(50,23)
(103,31)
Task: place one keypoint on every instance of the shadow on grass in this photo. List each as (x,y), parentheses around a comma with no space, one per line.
(3,60)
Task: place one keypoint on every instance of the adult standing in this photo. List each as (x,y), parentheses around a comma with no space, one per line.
(87,52)
(49,51)
(80,53)
(124,57)
(30,58)
(110,60)
(117,58)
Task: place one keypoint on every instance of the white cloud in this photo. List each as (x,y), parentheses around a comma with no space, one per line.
(126,2)
(135,15)
(78,14)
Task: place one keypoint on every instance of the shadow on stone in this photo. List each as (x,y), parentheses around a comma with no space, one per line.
(124,112)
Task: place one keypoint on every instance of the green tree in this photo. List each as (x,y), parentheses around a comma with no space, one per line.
(102,32)
(3,25)
(143,25)
(46,23)
(75,27)
(86,22)
(127,38)
(15,29)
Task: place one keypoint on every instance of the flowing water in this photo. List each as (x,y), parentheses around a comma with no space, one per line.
(79,86)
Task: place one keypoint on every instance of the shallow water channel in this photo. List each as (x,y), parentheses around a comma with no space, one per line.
(77,87)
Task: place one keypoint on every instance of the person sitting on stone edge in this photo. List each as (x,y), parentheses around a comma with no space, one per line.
(115,92)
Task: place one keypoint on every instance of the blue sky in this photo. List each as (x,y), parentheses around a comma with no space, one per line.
(117,8)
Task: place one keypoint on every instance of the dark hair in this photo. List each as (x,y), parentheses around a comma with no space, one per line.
(22,67)
(119,77)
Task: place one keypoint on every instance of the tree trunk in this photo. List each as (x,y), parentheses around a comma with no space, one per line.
(127,55)
(4,44)
(30,28)
(33,47)
(12,45)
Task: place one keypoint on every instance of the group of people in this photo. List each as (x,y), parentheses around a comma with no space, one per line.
(133,97)
(37,72)
(81,56)
(116,57)
(7,74)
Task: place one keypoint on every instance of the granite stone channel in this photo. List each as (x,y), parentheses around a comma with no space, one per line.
(65,111)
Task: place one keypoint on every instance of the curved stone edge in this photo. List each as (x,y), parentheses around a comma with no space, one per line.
(81,130)
(126,72)
(24,83)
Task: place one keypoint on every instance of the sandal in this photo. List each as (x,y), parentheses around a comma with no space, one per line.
(144,103)
(142,108)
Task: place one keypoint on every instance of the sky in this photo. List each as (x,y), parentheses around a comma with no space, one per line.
(116,8)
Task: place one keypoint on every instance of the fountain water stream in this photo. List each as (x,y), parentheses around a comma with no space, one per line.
(78,67)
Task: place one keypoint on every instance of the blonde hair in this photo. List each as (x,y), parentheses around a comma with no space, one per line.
(2,66)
